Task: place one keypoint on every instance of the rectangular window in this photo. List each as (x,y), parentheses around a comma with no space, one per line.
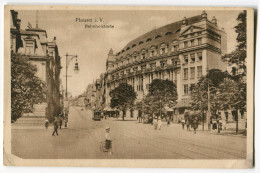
(185,89)
(163,50)
(199,41)
(192,57)
(199,56)
(192,42)
(199,71)
(185,44)
(134,58)
(192,86)
(143,67)
(152,65)
(30,49)
(152,53)
(192,72)
(162,63)
(128,61)
(128,71)
(175,48)
(185,74)
(122,73)
(135,69)
(143,55)
(186,59)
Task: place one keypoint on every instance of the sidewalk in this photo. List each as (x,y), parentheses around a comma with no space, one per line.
(227,132)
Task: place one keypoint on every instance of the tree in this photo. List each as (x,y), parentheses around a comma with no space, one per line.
(232,95)
(208,85)
(26,88)
(161,93)
(238,56)
(122,97)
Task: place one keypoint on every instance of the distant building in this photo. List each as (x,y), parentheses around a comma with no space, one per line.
(181,52)
(33,43)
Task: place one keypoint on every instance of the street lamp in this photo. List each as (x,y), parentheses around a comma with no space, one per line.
(76,69)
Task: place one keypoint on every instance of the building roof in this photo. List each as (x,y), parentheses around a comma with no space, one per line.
(166,33)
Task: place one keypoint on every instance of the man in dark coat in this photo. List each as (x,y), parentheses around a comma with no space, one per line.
(195,124)
(56,126)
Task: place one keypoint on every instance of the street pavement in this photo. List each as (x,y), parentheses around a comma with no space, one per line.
(131,140)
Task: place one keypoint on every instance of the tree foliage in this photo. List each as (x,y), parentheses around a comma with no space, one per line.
(122,97)
(161,93)
(225,91)
(199,93)
(238,56)
(26,88)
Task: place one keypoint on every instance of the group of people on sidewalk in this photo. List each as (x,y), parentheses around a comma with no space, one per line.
(57,123)
(190,122)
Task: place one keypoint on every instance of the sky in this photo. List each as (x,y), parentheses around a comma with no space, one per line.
(93,44)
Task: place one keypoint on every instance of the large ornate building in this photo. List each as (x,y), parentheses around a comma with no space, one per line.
(181,52)
(44,54)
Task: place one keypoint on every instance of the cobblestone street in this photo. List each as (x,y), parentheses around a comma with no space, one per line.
(81,140)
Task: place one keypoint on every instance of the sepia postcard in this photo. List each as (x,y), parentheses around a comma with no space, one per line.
(111,86)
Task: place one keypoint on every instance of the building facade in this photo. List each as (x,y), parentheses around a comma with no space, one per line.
(181,52)
(33,43)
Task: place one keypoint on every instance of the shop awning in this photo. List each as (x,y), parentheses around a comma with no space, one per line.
(184,103)
(168,109)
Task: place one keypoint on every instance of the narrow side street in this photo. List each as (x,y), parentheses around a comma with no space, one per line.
(130,140)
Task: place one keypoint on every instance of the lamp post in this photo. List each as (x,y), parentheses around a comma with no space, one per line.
(76,70)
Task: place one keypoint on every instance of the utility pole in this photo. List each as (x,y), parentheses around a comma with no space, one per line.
(208,113)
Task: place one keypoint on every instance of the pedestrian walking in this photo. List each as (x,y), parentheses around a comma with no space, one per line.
(195,124)
(56,126)
(188,124)
(108,141)
(182,123)
(155,122)
(168,120)
(60,121)
(159,125)
(46,123)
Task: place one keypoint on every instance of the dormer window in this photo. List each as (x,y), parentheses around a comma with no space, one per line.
(134,57)
(133,45)
(163,50)
(192,42)
(143,55)
(127,48)
(149,39)
(168,33)
(141,42)
(175,48)
(158,36)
